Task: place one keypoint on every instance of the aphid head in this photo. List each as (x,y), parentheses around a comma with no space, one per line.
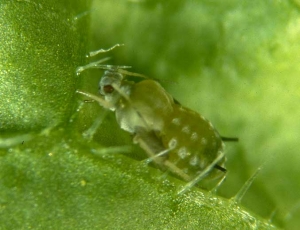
(109,78)
(108,83)
(113,83)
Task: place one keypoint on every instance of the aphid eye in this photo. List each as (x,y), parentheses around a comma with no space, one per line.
(108,89)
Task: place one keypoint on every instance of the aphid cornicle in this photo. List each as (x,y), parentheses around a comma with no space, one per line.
(175,138)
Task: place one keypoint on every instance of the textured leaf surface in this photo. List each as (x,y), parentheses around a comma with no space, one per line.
(236,63)
(40,49)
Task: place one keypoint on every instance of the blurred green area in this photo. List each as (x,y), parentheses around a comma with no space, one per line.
(234,62)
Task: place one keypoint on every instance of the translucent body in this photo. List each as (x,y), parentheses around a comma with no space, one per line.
(176,138)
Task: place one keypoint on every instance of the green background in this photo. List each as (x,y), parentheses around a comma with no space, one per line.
(235,62)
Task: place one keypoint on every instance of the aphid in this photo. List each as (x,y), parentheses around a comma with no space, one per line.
(175,138)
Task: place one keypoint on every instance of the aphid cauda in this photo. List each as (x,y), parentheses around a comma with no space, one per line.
(175,138)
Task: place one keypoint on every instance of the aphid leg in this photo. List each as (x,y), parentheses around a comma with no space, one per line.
(160,161)
(160,154)
(202,175)
(90,132)
(150,143)
(180,173)
(157,156)
(174,169)
(241,193)
(99,99)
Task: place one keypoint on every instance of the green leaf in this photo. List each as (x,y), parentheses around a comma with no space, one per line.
(234,62)
(41,46)
(61,182)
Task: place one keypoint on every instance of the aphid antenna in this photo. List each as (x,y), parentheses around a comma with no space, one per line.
(96,52)
(92,65)
(113,67)
(241,193)
(202,175)
(128,73)
(122,70)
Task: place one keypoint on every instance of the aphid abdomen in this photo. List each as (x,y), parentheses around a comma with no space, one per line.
(161,125)
(175,138)
(196,144)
